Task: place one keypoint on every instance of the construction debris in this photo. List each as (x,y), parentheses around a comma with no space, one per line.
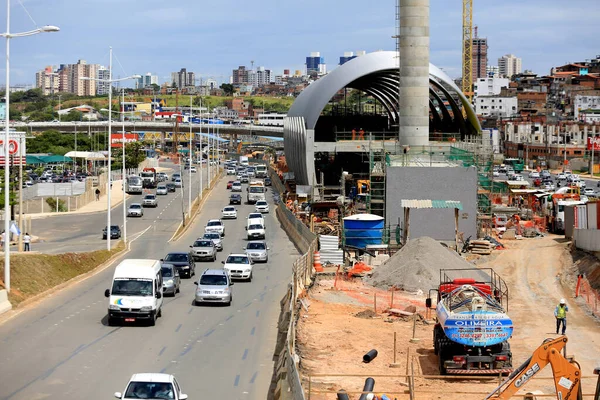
(483,247)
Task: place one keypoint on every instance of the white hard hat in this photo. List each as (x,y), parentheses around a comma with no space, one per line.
(563,301)
(370,396)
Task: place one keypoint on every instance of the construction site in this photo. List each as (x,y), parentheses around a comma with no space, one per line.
(425,275)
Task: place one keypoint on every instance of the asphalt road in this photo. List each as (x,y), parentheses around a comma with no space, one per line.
(83,232)
(63,348)
(590,183)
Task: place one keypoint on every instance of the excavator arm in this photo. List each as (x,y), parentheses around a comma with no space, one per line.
(567,374)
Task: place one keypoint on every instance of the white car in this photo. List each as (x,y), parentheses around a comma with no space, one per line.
(549,186)
(236,186)
(229,212)
(588,192)
(255,231)
(231,171)
(495,173)
(255,218)
(215,225)
(238,266)
(262,207)
(152,386)
(534,174)
(178,182)
(561,176)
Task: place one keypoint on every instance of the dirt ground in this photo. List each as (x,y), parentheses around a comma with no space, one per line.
(332,338)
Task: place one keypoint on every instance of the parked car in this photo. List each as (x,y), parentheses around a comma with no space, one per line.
(238,266)
(135,210)
(262,207)
(255,231)
(229,184)
(171,187)
(171,279)
(229,212)
(215,225)
(588,192)
(161,190)
(235,198)
(257,251)
(214,286)
(150,201)
(184,262)
(534,174)
(178,183)
(204,249)
(152,386)
(562,176)
(216,238)
(115,232)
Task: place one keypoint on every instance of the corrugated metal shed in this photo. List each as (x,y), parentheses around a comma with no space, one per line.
(329,242)
(421,204)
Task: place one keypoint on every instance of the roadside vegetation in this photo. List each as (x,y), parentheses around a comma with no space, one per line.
(32,274)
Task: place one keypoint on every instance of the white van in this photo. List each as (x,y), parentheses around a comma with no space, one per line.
(136,292)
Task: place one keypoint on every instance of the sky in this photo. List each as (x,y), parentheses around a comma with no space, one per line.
(211,38)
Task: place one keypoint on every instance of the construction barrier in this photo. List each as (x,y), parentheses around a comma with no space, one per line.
(585,291)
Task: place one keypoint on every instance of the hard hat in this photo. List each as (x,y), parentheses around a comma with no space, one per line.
(563,301)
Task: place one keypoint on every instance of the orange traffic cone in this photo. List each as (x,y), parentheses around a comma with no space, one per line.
(317,262)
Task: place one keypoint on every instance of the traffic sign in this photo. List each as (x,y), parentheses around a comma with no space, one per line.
(13,146)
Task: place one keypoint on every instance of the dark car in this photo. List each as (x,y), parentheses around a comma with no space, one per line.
(235,198)
(267,181)
(170,187)
(115,232)
(184,262)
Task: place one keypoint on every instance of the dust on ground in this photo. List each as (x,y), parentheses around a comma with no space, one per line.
(339,327)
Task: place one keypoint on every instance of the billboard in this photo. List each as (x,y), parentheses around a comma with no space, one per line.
(116,139)
(595,141)
(16,148)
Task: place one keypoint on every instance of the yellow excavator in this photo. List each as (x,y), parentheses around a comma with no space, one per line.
(565,370)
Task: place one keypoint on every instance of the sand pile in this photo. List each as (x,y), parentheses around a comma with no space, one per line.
(417,266)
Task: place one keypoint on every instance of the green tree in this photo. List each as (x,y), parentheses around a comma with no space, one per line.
(155,87)
(73,115)
(228,89)
(134,155)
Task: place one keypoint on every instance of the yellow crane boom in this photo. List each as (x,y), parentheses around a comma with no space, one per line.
(467,49)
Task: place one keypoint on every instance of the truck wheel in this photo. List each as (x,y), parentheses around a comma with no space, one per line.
(441,365)
(111,321)
(152,321)
(159,313)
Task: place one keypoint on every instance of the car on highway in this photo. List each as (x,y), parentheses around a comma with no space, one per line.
(215,225)
(216,238)
(262,207)
(162,176)
(549,186)
(235,198)
(495,173)
(171,279)
(115,232)
(171,187)
(545,174)
(588,192)
(244,178)
(178,183)
(229,212)
(257,251)
(562,176)
(175,177)
(231,171)
(184,262)
(204,249)
(229,184)
(152,386)
(534,174)
(135,210)
(238,266)
(255,218)
(161,190)
(236,186)
(150,201)
(193,169)
(268,181)
(255,231)
(214,286)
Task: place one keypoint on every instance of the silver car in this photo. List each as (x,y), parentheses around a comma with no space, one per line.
(150,200)
(216,238)
(204,249)
(161,190)
(171,279)
(257,251)
(214,286)
(135,210)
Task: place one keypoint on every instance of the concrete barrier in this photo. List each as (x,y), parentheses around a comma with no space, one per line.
(4,303)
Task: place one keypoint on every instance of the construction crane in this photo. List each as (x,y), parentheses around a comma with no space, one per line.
(467,49)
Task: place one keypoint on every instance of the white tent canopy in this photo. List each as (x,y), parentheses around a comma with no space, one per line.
(88,155)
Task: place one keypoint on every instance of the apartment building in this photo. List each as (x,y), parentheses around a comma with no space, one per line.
(489,86)
(509,65)
(102,88)
(183,78)
(479,52)
(67,78)
(47,80)
(498,106)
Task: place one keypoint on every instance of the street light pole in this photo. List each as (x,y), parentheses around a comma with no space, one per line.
(59,96)
(123,179)
(109,184)
(201,153)
(191,155)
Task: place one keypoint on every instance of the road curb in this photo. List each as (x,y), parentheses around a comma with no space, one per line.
(4,303)
(178,234)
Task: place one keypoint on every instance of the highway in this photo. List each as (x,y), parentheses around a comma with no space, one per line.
(63,348)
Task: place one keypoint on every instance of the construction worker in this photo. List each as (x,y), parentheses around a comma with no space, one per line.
(353,134)
(560,312)
(361,134)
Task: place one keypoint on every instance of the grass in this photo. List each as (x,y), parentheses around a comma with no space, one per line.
(32,274)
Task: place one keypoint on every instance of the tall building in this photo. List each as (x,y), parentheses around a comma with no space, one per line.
(509,65)
(102,88)
(146,80)
(315,64)
(489,86)
(183,78)
(47,80)
(240,76)
(479,53)
(492,71)
(259,77)
(348,55)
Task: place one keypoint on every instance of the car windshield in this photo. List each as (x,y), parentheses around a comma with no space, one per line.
(149,197)
(113,228)
(229,209)
(149,390)
(132,287)
(203,243)
(211,236)
(214,223)
(213,280)
(162,187)
(237,260)
(256,246)
(177,257)
(167,272)
(261,203)
(135,206)
(255,227)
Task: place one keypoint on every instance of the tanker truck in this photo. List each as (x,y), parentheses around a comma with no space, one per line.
(472,326)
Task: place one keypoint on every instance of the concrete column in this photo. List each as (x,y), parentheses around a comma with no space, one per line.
(414,72)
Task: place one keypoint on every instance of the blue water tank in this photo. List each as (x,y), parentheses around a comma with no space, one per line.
(361,230)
